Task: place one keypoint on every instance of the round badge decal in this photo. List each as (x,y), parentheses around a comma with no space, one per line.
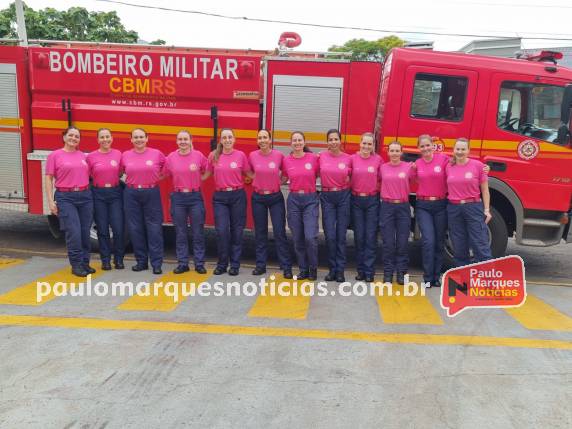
(402,175)
(341,165)
(528,149)
(468,175)
(193,167)
(437,169)
(272,165)
(149,162)
(113,163)
(233,164)
(308,166)
(370,169)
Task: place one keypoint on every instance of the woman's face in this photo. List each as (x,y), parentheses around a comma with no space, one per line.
(227,139)
(72,137)
(297,141)
(366,145)
(334,142)
(394,151)
(426,148)
(461,150)
(184,141)
(263,140)
(139,139)
(104,139)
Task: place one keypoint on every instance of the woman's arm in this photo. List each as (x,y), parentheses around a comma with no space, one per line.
(486,201)
(49,186)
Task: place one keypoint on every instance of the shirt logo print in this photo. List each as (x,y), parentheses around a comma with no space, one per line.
(402,175)
(149,162)
(113,163)
(437,169)
(193,167)
(341,165)
(308,166)
(272,165)
(468,175)
(233,164)
(370,169)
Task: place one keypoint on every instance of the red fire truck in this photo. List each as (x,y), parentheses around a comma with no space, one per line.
(516,114)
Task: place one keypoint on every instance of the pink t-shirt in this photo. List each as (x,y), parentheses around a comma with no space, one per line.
(335,170)
(143,168)
(395,180)
(68,168)
(266,170)
(365,173)
(464,181)
(302,172)
(186,170)
(431,177)
(104,167)
(229,169)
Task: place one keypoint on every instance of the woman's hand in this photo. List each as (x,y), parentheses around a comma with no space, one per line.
(488,215)
(53,208)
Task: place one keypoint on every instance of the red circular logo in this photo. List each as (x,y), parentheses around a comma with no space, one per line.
(528,149)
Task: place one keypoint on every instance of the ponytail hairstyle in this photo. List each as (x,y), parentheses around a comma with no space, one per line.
(218,150)
(459,140)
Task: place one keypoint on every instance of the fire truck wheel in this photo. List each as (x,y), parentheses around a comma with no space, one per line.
(498,239)
(95,241)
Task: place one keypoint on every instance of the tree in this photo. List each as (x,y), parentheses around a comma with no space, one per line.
(369,50)
(76,23)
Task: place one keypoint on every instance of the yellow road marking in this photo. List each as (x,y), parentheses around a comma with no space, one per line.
(400,309)
(537,315)
(165,299)
(375,337)
(28,294)
(9,262)
(293,305)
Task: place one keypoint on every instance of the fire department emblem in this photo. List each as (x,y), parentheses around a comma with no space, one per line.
(193,167)
(370,169)
(468,175)
(272,165)
(437,169)
(308,166)
(402,175)
(113,163)
(233,164)
(341,165)
(149,162)
(528,149)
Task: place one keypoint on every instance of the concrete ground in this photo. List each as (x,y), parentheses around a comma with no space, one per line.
(247,361)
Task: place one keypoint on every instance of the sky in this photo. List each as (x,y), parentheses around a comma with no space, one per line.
(489,18)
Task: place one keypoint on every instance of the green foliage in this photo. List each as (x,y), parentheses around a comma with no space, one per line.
(369,50)
(76,23)
(157,42)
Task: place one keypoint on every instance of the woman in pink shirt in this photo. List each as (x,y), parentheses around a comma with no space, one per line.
(67,171)
(395,213)
(365,206)
(142,201)
(104,167)
(301,168)
(431,207)
(335,173)
(467,212)
(228,166)
(186,166)
(267,198)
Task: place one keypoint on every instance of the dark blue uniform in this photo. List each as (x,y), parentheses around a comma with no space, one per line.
(75,214)
(185,205)
(108,212)
(365,215)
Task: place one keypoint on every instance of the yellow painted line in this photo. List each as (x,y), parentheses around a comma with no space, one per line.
(537,315)
(196,328)
(28,294)
(11,122)
(122,127)
(9,262)
(293,305)
(169,296)
(410,310)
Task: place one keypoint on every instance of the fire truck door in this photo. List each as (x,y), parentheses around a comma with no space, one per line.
(11,167)
(439,102)
(310,104)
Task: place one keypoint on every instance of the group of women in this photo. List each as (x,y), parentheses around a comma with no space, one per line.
(360,189)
